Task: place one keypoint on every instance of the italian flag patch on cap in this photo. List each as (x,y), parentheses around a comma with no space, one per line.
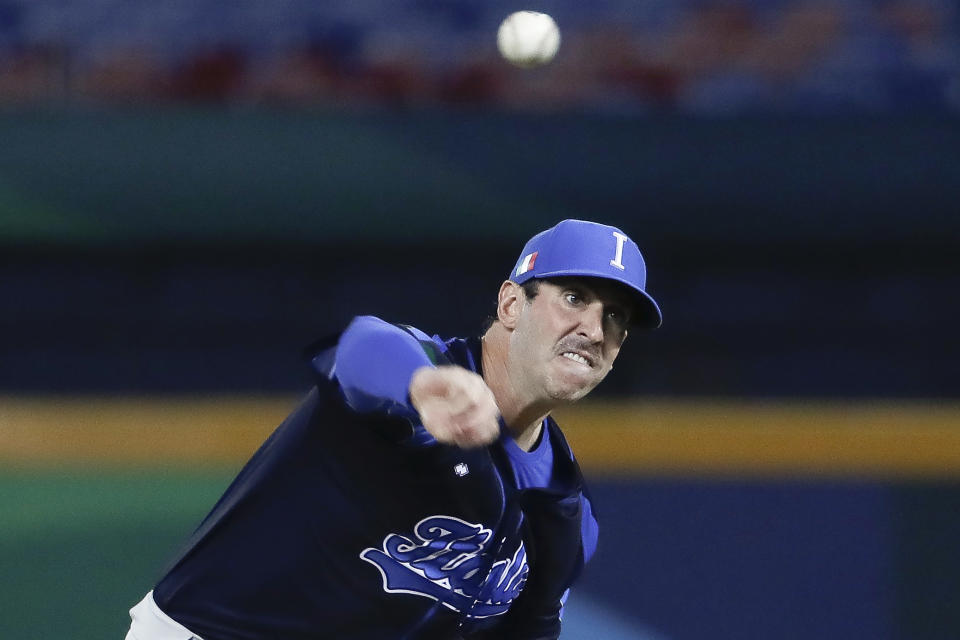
(527,263)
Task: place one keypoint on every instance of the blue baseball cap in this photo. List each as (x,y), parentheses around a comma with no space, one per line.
(590,249)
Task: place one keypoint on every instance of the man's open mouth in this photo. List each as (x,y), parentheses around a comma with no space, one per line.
(577,357)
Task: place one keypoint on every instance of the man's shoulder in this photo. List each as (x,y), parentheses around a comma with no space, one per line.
(436,347)
(464,352)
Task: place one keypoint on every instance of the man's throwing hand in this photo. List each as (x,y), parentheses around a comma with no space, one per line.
(455,405)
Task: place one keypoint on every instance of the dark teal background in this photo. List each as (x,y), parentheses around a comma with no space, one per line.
(811,256)
(198,250)
(198,175)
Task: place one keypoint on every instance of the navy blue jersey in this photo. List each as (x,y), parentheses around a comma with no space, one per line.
(350,521)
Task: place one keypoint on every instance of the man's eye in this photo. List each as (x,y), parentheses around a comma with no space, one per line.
(573,298)
(617,315)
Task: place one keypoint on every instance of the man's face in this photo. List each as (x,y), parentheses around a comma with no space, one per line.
(567,337)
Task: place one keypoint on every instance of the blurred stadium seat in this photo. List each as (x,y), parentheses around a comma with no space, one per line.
(720,58)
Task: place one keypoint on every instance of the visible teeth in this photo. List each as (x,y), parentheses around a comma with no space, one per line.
(576,358)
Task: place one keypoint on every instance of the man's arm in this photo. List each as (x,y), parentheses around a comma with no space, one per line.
(374,362)
(382,367)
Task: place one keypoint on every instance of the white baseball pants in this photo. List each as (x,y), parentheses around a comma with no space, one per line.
(150,623)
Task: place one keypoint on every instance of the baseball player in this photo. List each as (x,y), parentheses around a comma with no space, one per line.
(421,490)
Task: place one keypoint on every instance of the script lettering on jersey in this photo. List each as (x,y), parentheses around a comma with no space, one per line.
(448,560)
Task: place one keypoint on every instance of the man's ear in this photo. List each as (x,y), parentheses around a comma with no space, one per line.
(509,303)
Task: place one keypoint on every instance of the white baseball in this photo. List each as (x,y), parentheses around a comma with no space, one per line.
(528,38)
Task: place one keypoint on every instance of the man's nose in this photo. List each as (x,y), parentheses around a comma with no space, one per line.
(591,323)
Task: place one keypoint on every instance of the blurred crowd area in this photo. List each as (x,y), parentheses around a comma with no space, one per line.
(685,56)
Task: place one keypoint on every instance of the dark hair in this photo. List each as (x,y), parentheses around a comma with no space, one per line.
(530,289)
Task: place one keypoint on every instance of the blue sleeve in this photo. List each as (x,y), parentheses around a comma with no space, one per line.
(589,529)
(374,362)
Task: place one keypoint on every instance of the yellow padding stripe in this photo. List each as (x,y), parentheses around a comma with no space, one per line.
(655,437)
(873,439)
(141,430)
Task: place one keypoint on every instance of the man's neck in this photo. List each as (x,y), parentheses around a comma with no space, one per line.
(523,416)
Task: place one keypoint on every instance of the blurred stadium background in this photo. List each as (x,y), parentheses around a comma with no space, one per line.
(192,191)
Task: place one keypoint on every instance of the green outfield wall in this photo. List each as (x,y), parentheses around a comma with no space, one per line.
(134,176)
(738,518)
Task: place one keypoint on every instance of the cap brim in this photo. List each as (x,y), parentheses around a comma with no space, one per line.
(646,313)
